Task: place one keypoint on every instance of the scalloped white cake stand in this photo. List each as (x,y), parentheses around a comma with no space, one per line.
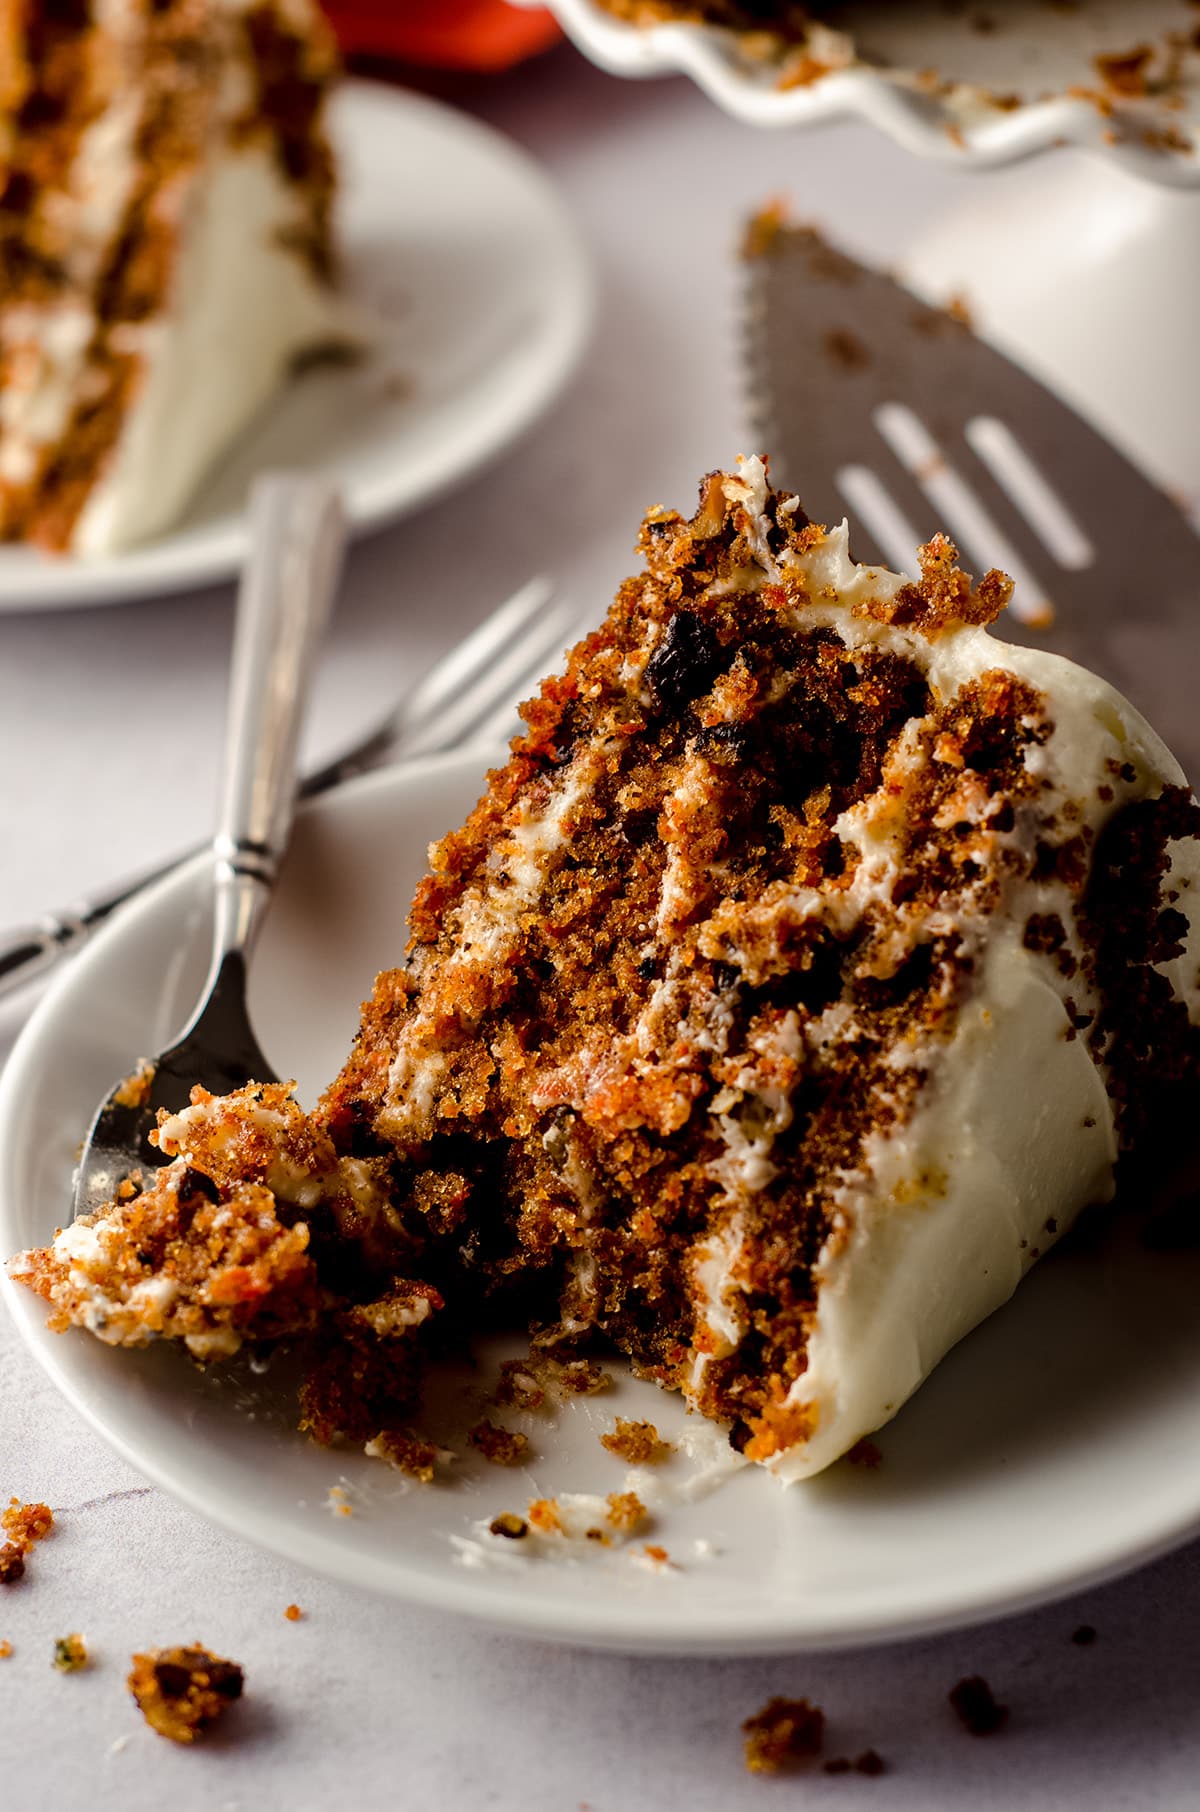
(1086,268)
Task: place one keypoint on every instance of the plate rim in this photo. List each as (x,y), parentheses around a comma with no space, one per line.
(661,1628)
(153,569)
(908,118)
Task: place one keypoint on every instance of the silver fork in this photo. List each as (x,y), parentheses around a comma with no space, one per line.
(872,403)
(470,695)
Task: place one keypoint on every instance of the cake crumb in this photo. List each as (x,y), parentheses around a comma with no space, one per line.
(654,1552)
(784,1732)
(543,1514)
(293,1613)
(1084,1636)
(25,1524)
(6,1650)
(518,1387)
(408,1453)
(134,1091)
(512,1528)
(869,1762)
(1124,72)
(582,1377)
(865,1453)
(626,1511)
(181,1691)
(959,309)
(638,1443)
(501,1446)
(337,1501)
(12,1564)
(70,1654)
(976,1706)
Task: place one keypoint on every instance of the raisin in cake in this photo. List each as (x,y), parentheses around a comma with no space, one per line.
(792,989)
(165,253)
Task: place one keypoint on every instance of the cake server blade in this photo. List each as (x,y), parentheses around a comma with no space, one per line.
(874,406)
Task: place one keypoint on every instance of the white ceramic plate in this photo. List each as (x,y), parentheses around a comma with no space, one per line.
(1035,50)
(465,263)
(1058,1445)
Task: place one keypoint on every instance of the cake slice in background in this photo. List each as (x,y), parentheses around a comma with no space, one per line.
(790,991)
(165,249)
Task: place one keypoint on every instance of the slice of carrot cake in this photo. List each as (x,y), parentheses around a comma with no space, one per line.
(165,250)
(789,992)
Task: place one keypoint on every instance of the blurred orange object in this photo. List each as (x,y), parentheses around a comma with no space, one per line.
(442,34)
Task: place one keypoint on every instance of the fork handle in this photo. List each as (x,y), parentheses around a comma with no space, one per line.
(297,535)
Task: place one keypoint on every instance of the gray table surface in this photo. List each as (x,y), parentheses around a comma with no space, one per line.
(364,1701)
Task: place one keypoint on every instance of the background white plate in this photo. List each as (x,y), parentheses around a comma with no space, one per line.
(1058,1445)
(1037,51)
(472,275)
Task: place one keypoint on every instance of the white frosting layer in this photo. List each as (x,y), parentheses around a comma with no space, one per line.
(1012,1131)
(243,306)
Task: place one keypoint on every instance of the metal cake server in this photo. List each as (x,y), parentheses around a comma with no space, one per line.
(297,539)
(873,404)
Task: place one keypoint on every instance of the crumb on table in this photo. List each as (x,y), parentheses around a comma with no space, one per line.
(976,1706)
(5,1650)
(25,1524)
(1084,1636)
(502,1446)
(181,1691)
(869,1762)
(70,1654)
(638,1443)
(12,1564)
(784,1732)
(293,1613)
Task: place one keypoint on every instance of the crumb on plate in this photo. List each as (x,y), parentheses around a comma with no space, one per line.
(502,1446)
(512,1528)
(638,1443)
(543,1514)
(518,1386)
(626,1511)
(407,1452)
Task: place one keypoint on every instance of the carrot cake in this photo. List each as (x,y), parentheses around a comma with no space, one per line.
(790,991)
(165,250)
